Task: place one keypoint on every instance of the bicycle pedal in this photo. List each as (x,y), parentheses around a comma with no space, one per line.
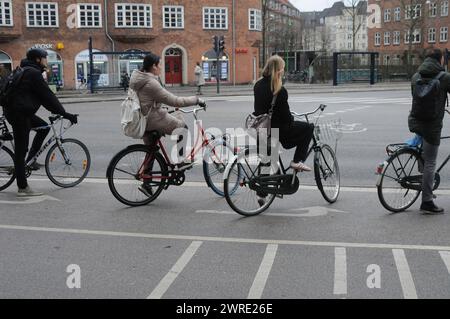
(279,196)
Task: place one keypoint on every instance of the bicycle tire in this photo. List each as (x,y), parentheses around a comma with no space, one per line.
(7,171)
(383,190)
(136,198)
(231,196)
(217,167)
(327,172)
(83,163)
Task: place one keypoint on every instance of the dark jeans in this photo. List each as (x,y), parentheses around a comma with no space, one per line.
(21,127)
(299,135)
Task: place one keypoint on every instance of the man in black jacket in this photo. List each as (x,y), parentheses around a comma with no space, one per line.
(32,92)
(430,130)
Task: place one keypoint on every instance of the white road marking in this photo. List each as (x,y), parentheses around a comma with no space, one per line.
(340,271)
(168,279)
(445,255)
(29,200)
(315,211)
(260,280)
(404,273)
(226,239)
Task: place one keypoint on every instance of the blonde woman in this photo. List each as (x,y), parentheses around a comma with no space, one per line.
(292,133)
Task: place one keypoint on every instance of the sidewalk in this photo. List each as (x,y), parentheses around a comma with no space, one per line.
(73,97)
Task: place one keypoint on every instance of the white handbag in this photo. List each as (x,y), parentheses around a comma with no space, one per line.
(133,122)
(260,124)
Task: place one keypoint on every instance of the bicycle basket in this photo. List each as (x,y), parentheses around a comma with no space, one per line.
(329,132)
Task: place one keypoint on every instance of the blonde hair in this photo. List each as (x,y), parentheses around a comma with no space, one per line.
(273,69)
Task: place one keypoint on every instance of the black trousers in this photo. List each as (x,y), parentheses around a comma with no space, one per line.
(299,135)
(21,127)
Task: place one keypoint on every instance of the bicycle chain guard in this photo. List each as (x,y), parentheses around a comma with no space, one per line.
(275,184)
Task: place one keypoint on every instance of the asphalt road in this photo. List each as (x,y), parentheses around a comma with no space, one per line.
(188,244)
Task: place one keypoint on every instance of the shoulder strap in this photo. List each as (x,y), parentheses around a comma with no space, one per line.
(440,75)
(272,105)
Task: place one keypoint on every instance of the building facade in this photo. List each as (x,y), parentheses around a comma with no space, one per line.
(179,31)
(401,30)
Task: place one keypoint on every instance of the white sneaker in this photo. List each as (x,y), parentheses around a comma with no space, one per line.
(27,192)
(300,167)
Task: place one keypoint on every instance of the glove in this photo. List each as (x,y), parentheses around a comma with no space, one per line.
(71,117)
(201,103)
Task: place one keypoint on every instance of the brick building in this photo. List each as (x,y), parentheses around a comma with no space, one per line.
(179,31)
(401,30)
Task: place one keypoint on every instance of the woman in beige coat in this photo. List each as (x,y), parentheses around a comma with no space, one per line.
(152,95)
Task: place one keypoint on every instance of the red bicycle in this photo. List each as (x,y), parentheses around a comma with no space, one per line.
(138,174)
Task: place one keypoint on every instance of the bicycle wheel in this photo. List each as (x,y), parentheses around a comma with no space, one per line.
(326,171)
(402,165)
(215,161)
(67,165)
(7,172)
(131,169)
(243,200)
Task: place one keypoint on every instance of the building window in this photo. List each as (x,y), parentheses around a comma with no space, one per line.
(397,14)
(417,12)
(433,9)
(387,15)
(444,34)
(377,39)
(408,12)
(254,20)
(396,40)
(89,15)
(386,59)
(6,17)
(432,35)
(133,15)
(387,38)
(215,18)
(173,17)
(407,36)
(444,8)
(42,14)
(417,36)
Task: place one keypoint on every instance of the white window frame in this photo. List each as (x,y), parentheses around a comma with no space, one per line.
(407,36)
(417,33)
(417,11)
(215,19)
(387,15)
(444,9)
(141,7)
(433,9)
(387,38)
(27,9)
(254,13)
(3,16)
(377,39)
(396,38)
(441,33)
(397,14)
(408,12)
(432,35)
(164,17)
(99,8)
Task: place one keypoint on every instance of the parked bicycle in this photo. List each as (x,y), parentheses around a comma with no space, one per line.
(256,178)
(399,182)
(67,162)
(150,166)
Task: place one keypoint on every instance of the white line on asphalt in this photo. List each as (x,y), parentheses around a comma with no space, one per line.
(225,239)
(259,283)
(340,271)
(404,273)
(168,279)
(445,255)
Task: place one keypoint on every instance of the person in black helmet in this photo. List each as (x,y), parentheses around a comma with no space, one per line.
(33,92)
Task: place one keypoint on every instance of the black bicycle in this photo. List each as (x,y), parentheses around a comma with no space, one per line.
(260,182)
(67,162)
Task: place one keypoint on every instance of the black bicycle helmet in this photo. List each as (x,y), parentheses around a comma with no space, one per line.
(36,53)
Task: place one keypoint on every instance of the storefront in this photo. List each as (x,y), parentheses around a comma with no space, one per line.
(209,63)
(100,73)
(5,64)
(133,60)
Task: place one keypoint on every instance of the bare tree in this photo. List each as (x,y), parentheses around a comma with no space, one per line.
(353,8)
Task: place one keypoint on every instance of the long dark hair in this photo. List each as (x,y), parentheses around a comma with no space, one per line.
(150,60)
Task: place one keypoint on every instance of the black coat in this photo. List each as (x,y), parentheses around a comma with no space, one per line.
(281,117)
(431,130)
(33,92)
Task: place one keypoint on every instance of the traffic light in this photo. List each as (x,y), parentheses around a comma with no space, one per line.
(216,44)
(222,43)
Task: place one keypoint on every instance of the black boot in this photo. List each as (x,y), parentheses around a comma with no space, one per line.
(431,208)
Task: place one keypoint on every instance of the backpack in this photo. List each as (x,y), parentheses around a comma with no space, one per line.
(426,98)
(8,86)
(133,121)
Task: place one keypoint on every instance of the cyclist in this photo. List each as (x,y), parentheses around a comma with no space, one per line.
(151,96)
(32,92)
(430,130)
(292,133)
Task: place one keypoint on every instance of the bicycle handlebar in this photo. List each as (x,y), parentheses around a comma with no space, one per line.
(321,107)
(195,110)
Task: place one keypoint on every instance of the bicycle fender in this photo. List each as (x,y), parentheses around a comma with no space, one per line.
(382,166)
(230,164)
